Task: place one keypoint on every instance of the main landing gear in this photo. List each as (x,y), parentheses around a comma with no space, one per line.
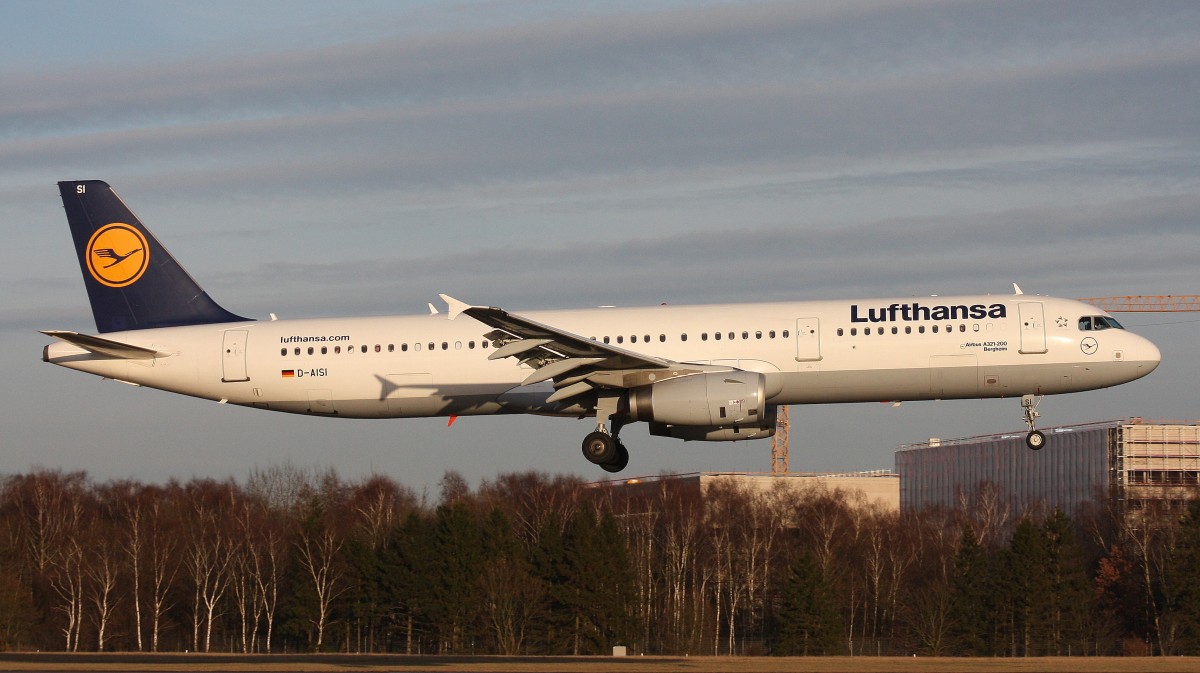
(1036,439)
(601,447)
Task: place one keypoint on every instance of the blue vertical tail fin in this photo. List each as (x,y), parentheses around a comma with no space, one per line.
(132,281)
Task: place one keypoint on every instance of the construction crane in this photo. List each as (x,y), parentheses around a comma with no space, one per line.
(1145,303)
(1139,303)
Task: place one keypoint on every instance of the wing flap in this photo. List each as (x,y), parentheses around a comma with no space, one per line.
(553,369)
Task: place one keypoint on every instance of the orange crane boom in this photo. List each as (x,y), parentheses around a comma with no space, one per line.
(1146,303)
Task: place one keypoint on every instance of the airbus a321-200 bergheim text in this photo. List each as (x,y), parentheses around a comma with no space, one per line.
(712,373)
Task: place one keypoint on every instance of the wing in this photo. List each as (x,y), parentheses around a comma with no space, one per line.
(577,364)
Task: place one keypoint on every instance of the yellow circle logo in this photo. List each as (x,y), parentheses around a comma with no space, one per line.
(117,255)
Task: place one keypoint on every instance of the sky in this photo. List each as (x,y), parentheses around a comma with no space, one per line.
(323,159)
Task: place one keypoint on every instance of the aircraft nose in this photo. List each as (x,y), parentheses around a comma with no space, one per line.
(1147,355)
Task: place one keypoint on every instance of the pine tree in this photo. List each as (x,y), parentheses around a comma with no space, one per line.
(1183,582)
(1071,601)
(976,604)
(597,582)
(808,619)
(456,564)
(1028,579)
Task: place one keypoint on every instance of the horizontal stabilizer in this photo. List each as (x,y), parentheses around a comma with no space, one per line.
(108,347)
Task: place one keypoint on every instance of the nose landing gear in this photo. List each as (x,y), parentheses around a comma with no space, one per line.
(1036,439)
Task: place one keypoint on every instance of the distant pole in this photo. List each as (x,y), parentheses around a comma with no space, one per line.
(780,442)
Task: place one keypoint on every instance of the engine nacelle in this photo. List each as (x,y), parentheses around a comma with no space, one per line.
(691,433)
(709,401)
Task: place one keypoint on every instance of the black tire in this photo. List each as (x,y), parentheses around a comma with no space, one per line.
(1035,440)
(620,462)
(599,448)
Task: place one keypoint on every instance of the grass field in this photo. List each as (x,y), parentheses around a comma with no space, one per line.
(368,663)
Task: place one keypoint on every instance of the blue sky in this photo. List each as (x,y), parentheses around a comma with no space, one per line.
(311,159)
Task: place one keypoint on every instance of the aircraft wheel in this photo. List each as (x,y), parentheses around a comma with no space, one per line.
(620,461)
(599,448)
(1035,440)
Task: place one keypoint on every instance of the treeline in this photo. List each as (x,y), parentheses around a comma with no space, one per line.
(300,560)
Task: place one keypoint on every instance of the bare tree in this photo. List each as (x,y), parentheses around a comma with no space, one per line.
(102,571)
(208,556)
(163,562)
(317,547)
(67,579)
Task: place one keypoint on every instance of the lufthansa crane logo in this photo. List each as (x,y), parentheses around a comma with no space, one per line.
(117,255)
(1089,346)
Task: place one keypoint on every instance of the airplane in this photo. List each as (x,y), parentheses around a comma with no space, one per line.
(696,373)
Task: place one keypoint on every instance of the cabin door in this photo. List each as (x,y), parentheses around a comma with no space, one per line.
(233,356)
(808,339)
(1033,327)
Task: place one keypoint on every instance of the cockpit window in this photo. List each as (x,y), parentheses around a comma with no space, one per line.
(1090,323)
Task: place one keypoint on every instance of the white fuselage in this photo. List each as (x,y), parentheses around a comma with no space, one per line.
(811,352)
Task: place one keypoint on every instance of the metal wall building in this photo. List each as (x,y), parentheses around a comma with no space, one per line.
(1132,462)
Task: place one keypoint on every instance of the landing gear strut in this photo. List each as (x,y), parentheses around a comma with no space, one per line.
(1036,439)
(601,447)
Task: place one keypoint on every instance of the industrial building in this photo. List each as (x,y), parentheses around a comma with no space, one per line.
(878,488)
(1132,462)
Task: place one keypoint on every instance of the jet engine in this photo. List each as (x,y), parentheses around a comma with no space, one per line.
(708,404)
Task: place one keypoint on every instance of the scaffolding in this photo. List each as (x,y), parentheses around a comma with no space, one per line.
(1155,462)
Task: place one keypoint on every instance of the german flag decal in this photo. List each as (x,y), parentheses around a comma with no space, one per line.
(289,373)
